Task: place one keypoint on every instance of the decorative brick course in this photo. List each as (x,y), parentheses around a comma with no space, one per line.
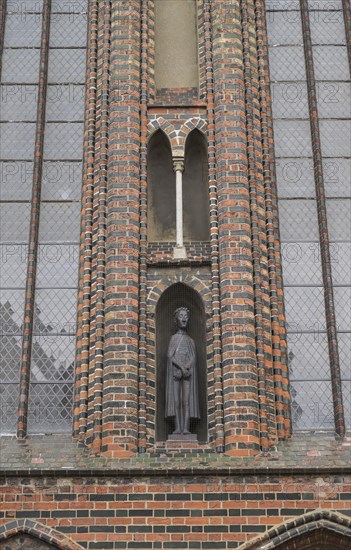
(172,511)
(120,376)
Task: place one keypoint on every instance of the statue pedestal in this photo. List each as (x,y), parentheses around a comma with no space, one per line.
(181,442)
(182,437)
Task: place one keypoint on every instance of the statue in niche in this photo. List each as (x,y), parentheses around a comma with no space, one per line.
(182,394)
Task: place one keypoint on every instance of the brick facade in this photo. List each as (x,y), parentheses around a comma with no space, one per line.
(246,483)
(251,400)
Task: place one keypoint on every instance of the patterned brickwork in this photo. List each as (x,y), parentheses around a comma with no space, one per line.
(218,512)
(88,409)
(277,314)
(213,200)
(120,378)
(163,253)
(241,419)
(248,385)
(84,289)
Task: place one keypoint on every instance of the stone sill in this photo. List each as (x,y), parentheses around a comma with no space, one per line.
(60,455)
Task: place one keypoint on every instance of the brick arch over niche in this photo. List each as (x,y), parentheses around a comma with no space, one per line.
(40,536)
(317,530)
(162,283)
(176,135)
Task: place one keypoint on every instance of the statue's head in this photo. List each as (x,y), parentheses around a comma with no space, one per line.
(182,317)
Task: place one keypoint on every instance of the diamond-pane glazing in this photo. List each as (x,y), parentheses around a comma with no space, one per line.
(312,405)
(20,66)
(293,138)
(18,103)
(11,311)
(301,264)
(8,408)
(25,6)
(53,358)
(287,63)
(10,355)
(17,141)
(67,66)
(68,30)
(67,6)
(295,178)
(55,311)
(309,357)
(298,220)
(50,407)
(341,263)
(284,27)
(57,265)
(16,180)
(63,141)
(330,62)
(62,181)
(59,222)
(13,265)
(65,102)
(22,30)
(327,27)
(305,310)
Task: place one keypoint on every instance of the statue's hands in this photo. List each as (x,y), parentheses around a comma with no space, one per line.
(177,374)
(186,370)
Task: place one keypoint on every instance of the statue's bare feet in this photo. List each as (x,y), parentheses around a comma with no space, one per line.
(186,432)
(176,432)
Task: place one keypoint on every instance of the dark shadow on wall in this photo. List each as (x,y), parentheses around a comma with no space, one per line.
(195,189)
(161,189)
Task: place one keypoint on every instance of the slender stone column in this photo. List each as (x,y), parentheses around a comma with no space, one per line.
(178,167)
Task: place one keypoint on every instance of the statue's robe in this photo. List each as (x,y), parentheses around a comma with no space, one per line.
(194,390)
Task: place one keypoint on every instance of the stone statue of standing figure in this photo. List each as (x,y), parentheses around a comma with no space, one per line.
(182,394)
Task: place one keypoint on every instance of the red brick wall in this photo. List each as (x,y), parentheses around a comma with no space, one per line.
(143,512)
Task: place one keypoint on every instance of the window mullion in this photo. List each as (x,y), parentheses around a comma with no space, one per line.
(34,227)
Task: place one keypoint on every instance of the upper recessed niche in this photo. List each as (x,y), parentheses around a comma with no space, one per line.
(176,58)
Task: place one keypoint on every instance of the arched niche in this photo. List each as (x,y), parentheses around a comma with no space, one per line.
(22,541)
(315,530)
(176,296)
(196,211)
(161,189)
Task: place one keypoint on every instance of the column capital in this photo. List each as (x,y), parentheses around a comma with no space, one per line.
(178,164)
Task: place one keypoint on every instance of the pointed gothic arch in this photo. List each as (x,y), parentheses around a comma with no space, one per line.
(317,530)
(50,538)
(175,296)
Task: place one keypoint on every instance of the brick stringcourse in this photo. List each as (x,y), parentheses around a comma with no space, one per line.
(218,511)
